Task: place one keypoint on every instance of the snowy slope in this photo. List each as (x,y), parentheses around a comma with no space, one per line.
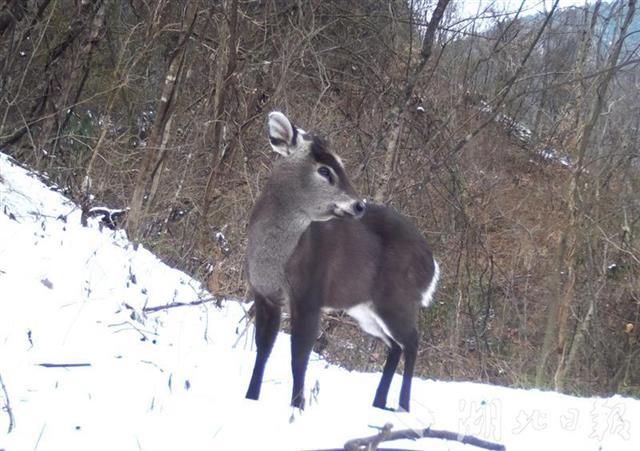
(175,379)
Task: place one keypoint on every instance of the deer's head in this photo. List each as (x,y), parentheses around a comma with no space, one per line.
(313,177)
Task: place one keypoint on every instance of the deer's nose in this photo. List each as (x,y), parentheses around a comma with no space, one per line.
(358,208)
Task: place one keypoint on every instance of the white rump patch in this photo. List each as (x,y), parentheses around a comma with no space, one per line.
(370,322)
(427,295)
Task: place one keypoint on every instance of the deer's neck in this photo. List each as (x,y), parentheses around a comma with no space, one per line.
(273,236)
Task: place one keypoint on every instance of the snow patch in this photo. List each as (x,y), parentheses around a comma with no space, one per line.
(87,365)
(524,135)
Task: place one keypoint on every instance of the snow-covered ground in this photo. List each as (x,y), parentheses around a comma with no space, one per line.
(85,368)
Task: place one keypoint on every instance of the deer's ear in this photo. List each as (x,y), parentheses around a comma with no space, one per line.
(282,133)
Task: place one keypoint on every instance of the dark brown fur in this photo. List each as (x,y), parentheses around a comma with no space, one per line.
(306,248)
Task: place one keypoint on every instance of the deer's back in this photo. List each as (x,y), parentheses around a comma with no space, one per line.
(345,262)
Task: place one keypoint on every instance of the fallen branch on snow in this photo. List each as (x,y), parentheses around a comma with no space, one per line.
(218,301)
(7,407)
(386,435)
(64,365)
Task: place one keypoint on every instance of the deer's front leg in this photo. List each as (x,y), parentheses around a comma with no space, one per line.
(267,324)
(304,329)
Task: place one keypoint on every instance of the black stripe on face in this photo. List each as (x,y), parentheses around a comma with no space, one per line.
(277,141)
(323,156)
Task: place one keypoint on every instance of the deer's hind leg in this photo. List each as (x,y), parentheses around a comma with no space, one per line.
(410,351)
(398,322)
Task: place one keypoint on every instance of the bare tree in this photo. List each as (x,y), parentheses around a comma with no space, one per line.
(558,317)
(392,125)
(225,68)
(155,154)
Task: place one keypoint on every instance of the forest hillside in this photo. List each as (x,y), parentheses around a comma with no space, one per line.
(510,138)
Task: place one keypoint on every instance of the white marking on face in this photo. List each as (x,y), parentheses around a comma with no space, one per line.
(427,295)
(370,322)
(338,159)
(343,208)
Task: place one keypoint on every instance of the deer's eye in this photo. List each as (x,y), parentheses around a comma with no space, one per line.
(326,173)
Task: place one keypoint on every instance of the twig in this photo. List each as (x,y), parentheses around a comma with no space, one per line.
(35,448)
(247,315)
(385,435)
(217,300)
(7,407)
(64,365)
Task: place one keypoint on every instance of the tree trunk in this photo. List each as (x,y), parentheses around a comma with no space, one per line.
(214,134)
(160,132)
(558,317)
(392,125)
(86,29)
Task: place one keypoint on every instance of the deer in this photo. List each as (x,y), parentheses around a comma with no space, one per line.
(315,245)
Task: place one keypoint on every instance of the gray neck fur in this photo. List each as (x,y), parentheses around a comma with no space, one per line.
(277,222)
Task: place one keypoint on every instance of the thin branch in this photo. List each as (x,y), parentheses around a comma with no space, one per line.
(631,253)
(64,365)
(7,406)
(217,300)
(570,81)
